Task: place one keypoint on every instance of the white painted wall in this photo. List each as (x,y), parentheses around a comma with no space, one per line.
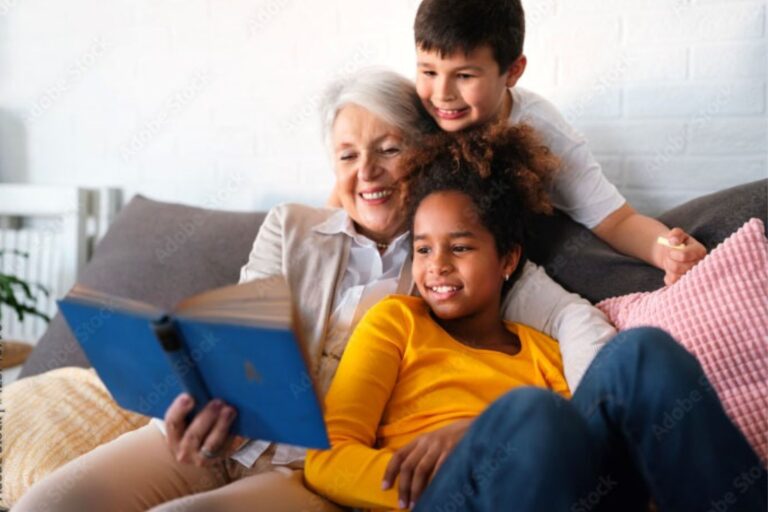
(214,102)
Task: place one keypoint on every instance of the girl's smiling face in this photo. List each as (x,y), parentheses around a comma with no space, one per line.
(456,265)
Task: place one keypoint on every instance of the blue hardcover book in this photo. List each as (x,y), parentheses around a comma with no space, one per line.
(238,343)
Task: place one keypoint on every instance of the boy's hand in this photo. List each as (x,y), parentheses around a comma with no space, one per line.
(677,261)
(418,461)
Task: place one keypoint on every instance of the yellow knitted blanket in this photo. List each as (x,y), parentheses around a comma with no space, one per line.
(49,420)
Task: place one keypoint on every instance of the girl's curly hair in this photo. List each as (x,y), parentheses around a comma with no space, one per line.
(505,170)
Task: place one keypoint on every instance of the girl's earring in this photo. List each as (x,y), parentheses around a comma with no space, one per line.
(506,277)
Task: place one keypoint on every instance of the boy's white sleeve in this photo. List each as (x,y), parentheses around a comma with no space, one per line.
(580,189)
(580,328)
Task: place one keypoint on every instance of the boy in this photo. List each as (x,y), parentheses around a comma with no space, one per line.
(469,60)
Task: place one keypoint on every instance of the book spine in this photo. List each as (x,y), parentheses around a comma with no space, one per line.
(183,365)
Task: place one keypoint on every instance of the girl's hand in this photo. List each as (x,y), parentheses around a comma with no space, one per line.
(208,433)
(418,461)
(676,262)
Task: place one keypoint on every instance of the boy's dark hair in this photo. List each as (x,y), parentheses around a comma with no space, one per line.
(447,26)
(505,171)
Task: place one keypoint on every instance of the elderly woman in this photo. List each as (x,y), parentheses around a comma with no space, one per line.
(338,262)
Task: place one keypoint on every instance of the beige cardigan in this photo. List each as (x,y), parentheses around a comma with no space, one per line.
(313,263)
(288,244)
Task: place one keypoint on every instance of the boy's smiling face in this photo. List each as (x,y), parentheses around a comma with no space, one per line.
(462,90)
(456,265)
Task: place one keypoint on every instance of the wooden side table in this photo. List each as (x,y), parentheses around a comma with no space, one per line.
(13,353)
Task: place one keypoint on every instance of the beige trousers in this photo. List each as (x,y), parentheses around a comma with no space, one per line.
(137,472)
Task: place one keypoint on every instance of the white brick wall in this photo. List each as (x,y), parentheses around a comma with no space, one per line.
(670,93)
(214,103)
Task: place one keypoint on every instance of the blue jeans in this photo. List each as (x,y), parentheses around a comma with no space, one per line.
(644,422)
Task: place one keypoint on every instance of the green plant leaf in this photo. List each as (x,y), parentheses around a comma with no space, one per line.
(8,295)
(15,252)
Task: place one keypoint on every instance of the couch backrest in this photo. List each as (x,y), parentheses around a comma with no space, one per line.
(158,253)
(582,263)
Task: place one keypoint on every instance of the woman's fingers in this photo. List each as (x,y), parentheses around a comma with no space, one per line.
(207,433)
(175,419)
(218,440)
(197,432)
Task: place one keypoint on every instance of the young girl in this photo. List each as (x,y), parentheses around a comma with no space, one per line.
(438,404)
(422,364)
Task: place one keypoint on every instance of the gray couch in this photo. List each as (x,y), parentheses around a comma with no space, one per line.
(161,253)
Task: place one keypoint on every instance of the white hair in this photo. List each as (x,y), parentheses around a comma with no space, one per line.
(384,93)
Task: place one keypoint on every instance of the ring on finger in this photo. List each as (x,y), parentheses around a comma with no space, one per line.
(208,454)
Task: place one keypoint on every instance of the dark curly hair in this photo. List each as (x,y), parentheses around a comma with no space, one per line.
(448,26)
(505,171)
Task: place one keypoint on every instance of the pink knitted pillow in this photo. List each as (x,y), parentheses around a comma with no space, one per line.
(719,312)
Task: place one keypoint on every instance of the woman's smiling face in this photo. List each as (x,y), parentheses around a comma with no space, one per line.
(367,154)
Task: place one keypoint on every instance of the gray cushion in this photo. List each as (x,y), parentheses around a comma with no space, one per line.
(158,253)
(582,263)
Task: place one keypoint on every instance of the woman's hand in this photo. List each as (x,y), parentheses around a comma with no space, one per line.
(206,440)
(676,262)
(418,461)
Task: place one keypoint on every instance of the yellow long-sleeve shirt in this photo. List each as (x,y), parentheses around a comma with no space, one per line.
(402,375)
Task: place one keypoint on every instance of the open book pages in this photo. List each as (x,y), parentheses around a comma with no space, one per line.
(265,302)
(85,294)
